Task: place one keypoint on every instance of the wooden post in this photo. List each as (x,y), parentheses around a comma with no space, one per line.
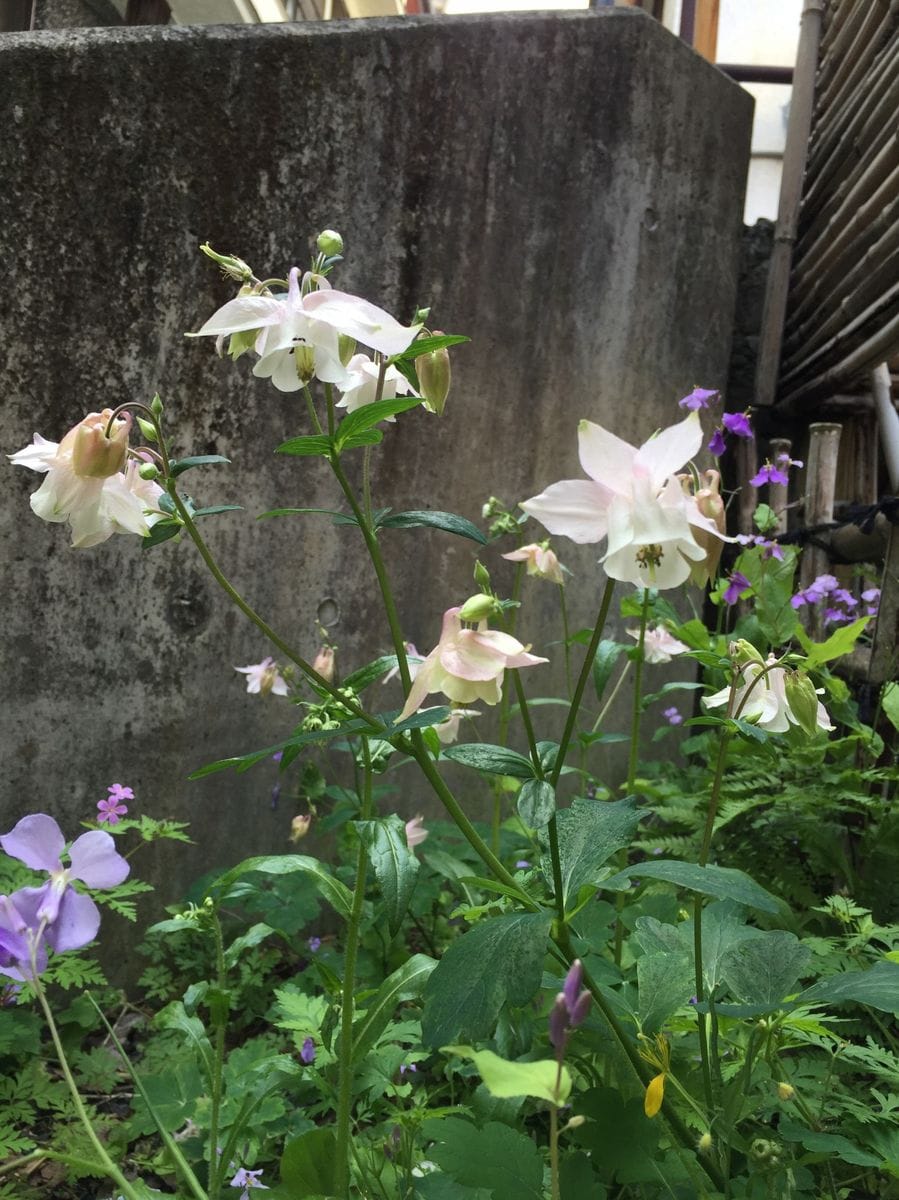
(778,493)
(886,631)
(705,33)
(820,485)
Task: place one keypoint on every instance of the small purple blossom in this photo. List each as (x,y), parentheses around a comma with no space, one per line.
(698,398)
(277,756)
(737,585)
(737,424)
(411,1067)
(522,865)
(836,616)
(672,716)
(769,473)
(570,1007)
(716,443)
(845,597)
(785,462)
(658,850)
(247,1179)
(315,944)
(307,1053)
(113,807)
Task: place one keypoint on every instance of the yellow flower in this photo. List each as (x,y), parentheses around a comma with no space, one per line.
(655,1094)
(658,1054)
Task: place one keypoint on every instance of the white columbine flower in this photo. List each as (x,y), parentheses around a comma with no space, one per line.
(360,385)
(264,678)
(764,701)
(634,499)
(659,646)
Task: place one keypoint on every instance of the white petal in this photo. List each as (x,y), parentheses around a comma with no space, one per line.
(575,508)
(357,318)
(669,450)
(246,312)
(605,457)
(38,456)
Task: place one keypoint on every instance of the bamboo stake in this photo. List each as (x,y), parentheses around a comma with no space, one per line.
(865,46)
(872,164)
(877,316)
(820,484)
(788,209)
(841,43)
(778,493)
(868,354)
(835,15)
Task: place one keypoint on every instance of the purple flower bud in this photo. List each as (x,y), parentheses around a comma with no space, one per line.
(579,1010)
(716,443)
(737,424)
(574,981)
(307,1053)
(558,1022)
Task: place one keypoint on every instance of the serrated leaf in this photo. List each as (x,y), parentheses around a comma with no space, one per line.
(497,962)
(180,465)
(494,760)
(337,894)
(316,445)
(536,803)
(827,1143)
(369,415)
(589,833)
(394,864)
(449,522)
(406,983)
(725,883)
(506,1079)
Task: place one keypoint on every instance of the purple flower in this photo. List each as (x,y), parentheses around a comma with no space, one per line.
(17,939)
(698,398)
(247,1179)
(871,595)
(658,850)
(716,443)
(522,865)
(66,918)
(737,586)
(314,944)
(845,597)
(113,807)
(785,462)
(836,616)
(770,549)
(672,716)
(768,474)
(404,1067)
(737,424)
(307,1053)
(277,756)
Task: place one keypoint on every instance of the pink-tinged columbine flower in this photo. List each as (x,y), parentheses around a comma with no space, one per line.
(467,664)
(360,386)
(311,323)
(659,646)
(698,398)
(447,731)
(737,424)
(113,807)
(634,498)
(737,585)
(416,832)
(672,716)
(65,918)
(250,1179)
(541,561)
(414,661)
(769,473)
(85,486)
(264,678)
(324,663)
(761,698)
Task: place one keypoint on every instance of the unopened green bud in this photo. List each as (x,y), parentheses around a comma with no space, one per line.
(231,266)
(329,242)
(421,315)
(156,406)
(346,348)
(434,377)
(481,576)
(147,428)
(477,608)
(743,652)
(148,471)
(802,700)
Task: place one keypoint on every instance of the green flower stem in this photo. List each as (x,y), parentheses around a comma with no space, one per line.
(249,612)
(220,1022)
(581,684)
(313,415)
(554,1152)
(511,617)
(638,698)
(345,1053)
(566,635)
(111,1168)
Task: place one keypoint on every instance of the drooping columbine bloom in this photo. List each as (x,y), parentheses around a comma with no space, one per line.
(360,385)
(541,561)
(659,646)
(300,826)
(416,832)
(86,484)
(264,678)
(68,918)
(447,731)
(467,664)
(284,323)
(634,498)
(762,698)
(324,663)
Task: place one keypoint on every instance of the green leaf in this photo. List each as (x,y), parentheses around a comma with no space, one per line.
(498,962)
(424,718)
(536,803)
(665,982)
(449,522)
(494,760)
(426,345)
(890,703)
(367,437)
(337,894)
(633,1148)
(309,1164)
(827,1143)
(839,643)
(406,983)
(772,582)
(764,969)
(394,865)
(590,832)
(344,518)
(437,1186)
(159,533)
(724,882)
(492,1156)
(245,761)
(369,415)
(180,465)
(253,936)
(360,680)
(213,509)
(317,445)
(604,663)
(877,987)
(507,1079)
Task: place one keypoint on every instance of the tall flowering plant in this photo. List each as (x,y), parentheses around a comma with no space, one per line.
(630,957)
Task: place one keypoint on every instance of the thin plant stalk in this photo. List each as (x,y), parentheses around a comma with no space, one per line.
(637,712)
(566,636)
(219,1020)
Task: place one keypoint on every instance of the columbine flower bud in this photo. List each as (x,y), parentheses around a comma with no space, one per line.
(300,826)
(324,663)
(743,652)
(329,242)
(577,1014)
(231,266)
(434,378)
(481,576)
(574,1123)
(477,608)
(148,429)
(94,455)
(710,505)
(785,1091)
(148,471)
(802,700)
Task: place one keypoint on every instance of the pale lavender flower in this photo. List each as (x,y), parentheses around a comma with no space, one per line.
(522,865)
(314,943)
(737,424)
(769,473)
(264,678)
(247,1179)
(673,716)
(717,445)
(307,1053)
(698,398)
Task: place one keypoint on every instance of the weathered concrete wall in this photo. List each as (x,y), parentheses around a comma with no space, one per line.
(565,189)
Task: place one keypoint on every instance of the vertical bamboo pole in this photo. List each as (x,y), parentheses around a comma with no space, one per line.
(820,485)
(798,128)
(778,493)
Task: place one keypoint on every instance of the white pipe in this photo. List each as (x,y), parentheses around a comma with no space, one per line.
(888,422)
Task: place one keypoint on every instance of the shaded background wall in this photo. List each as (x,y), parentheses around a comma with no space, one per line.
(567,190)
